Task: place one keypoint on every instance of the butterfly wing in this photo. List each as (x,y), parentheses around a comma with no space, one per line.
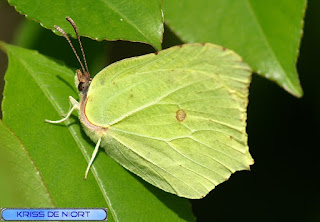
(177,119)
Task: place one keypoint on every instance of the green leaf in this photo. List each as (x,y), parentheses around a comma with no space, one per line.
(177,119)
(37,88)
(265,33)
(21,184)
(134,20)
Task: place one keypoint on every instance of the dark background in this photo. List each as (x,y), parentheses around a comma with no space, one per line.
(283,130)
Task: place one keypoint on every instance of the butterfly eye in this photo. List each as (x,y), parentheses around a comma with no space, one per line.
(81,86)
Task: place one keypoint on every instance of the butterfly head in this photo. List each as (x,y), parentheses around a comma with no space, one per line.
(82,80)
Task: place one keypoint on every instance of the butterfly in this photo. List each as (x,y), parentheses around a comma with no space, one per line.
(176,118)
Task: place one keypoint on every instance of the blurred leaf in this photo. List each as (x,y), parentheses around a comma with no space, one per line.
(265,33)
(135,20)
(21,184)
(38,88)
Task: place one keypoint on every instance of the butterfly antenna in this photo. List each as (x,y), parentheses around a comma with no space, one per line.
(78,37)
(68,39)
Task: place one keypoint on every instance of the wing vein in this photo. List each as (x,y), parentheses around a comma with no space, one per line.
(153,102)
(149,161)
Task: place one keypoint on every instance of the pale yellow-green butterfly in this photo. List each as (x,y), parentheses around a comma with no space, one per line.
(176,118)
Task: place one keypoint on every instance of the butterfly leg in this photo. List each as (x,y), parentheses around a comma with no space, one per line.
(92,157)
(75,106)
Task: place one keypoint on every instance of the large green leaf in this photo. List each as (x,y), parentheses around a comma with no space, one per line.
(133,20)
(177,119)
(38,88)
(265,33)
(21,184)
